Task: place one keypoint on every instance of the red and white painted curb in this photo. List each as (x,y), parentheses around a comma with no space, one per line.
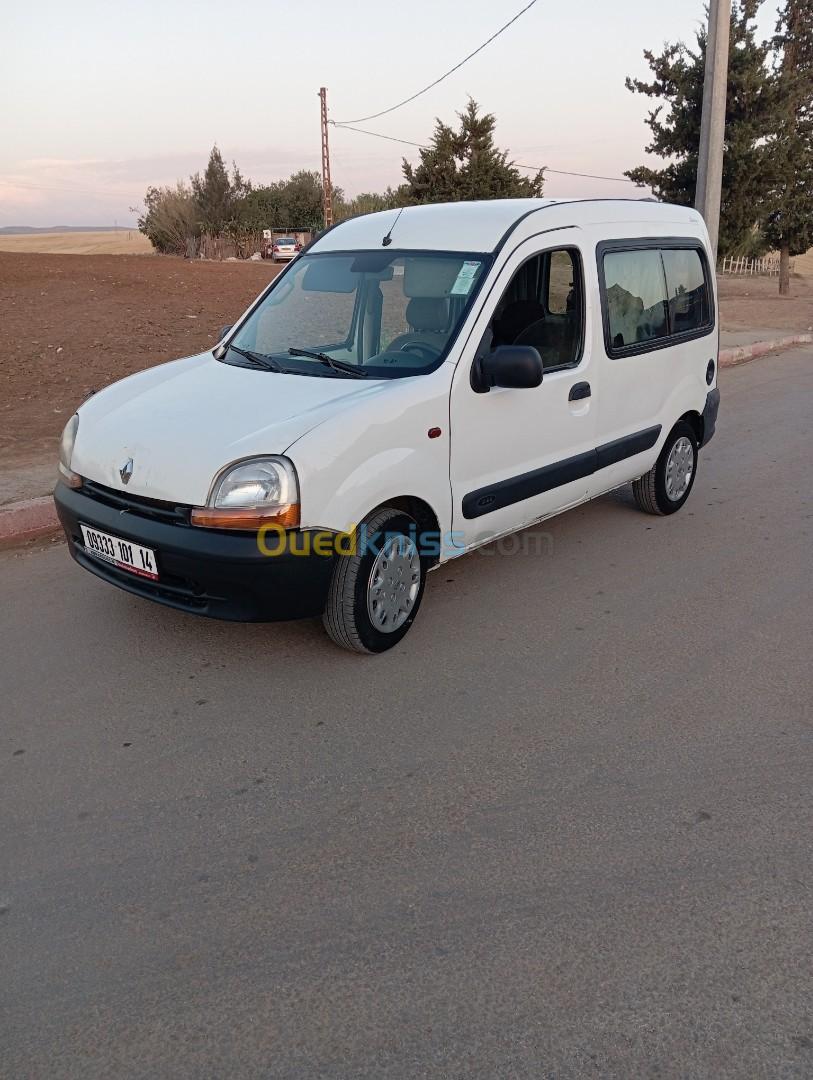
(27,520)
(35,518)
(739,355)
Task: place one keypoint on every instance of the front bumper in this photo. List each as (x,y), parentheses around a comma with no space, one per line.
(205,571)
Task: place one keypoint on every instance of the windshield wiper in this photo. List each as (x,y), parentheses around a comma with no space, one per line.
(329,361)
(266,362)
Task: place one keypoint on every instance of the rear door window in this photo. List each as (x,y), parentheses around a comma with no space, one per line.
(635,291)
(689,306)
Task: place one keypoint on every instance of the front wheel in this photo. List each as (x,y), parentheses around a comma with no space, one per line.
(376,590)
(665,488)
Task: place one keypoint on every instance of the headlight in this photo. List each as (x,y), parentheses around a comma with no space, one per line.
(250,493)
(260,482)
(67,475)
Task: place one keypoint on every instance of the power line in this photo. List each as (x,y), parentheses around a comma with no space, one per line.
(584,175)
(406,101)
(518,165)
(378,135)
(67,190)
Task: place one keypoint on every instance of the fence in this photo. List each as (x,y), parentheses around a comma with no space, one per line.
(208,246)
(739,264)
(239,246)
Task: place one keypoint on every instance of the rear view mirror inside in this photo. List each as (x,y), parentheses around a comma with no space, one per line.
(331,274)
(374,262)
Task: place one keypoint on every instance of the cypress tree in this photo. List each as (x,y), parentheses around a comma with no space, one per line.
(788,225)
(465,164)
(213,192)
(674,124)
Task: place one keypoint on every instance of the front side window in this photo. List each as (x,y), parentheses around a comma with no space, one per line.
(561,281)
(635,291)
(386,314)
(542,307)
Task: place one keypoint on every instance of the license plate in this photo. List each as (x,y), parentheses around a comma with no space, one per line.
(122,553)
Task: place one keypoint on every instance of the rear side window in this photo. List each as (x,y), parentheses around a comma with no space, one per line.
(651,294)
(636,297)
(686,286)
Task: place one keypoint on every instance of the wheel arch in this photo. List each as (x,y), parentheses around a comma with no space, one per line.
(695,421)
(417,508)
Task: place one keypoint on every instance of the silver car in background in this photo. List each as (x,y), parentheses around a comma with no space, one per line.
(284,248)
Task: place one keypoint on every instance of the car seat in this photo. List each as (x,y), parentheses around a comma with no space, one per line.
(428,316)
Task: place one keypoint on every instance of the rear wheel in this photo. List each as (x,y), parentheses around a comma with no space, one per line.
(666,487)
(376,591)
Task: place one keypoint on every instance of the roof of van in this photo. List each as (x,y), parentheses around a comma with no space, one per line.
(481,226)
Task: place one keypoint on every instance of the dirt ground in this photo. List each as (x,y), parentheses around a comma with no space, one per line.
(74,323)
(747,302)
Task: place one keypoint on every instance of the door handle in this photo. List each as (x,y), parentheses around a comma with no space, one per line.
(579,391)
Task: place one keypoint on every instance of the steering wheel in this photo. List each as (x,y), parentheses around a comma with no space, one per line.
(431,352)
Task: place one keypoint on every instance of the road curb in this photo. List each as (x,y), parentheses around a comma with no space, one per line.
(742,353)
(27,520)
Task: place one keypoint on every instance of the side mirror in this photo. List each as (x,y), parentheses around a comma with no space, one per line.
(224,330)
(515,367)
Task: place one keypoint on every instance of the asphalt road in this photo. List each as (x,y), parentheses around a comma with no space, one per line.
(564,830)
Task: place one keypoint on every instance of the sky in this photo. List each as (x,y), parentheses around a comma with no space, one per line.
(103,99)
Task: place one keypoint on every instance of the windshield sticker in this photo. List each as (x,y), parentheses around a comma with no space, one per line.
(465,279)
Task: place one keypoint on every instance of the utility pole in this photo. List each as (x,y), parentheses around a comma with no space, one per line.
(327,191)
(712,124)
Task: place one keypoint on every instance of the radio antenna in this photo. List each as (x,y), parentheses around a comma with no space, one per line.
(388,238)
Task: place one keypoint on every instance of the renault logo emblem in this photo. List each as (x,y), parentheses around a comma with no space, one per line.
(126,471)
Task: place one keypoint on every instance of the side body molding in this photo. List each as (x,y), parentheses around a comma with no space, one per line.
(526,485)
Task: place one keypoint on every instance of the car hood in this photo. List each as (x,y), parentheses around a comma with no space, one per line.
(184,421)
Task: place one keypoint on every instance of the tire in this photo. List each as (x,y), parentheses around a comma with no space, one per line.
(354,588)
(668,484)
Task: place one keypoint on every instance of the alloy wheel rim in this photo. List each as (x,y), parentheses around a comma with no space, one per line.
(679,468)
(395,578)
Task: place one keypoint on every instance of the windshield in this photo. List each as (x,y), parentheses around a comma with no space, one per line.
(285,240)
(388,313)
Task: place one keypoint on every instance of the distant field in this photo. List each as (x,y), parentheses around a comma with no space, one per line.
(131,242)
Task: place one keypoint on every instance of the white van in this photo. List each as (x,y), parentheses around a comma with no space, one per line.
(414,384)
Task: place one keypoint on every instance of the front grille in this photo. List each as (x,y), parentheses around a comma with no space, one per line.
(156,509)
